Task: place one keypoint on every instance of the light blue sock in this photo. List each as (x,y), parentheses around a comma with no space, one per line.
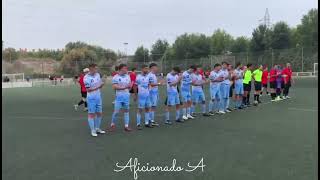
(192,108)
(216,105)
(227,103)
(98,122)
(188,110)
(126,119)
(184,111)
(138,118)
(91,124)
(203,108)
(146,117)
(114,117)
(210,106)
(167,115)
(152,116)
(221,105)
(177,114)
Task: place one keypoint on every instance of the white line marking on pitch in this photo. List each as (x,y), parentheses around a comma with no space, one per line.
(301,109)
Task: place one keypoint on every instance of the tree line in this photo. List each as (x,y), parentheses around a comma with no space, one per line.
(196,45)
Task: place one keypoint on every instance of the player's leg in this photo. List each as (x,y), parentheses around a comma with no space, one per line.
(98,118)
(170,101)
(212,101)
(202,99)
(177,103)
(228,94)
(154,103)
(92,116)
(184,100)
(189,103)
(194,103)
(141,103)
(125,108)
(139,111)
(117,108)
(222,98)
(147,120)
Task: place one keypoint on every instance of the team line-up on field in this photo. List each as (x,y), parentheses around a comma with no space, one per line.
(185,90)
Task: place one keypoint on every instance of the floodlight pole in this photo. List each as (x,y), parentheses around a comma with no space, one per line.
(302,59)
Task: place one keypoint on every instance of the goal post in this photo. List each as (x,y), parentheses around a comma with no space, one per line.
(18,77)
(315,69)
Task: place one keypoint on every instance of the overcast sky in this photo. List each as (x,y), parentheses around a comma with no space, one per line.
(110,23)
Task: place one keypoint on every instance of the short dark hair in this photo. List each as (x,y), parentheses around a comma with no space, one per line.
(249,65)
(121,66)
(92,65)
(152,64)
(176,69)
(224,63)
(133,69)
(238,64)
(193,67)
(216,65)
(143,66)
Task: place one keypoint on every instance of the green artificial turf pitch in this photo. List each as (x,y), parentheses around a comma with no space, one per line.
(43,138)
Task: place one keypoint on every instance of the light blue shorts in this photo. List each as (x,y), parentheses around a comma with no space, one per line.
(238,88)
(154,99)
(224,90)
(198,96)
(121,105)
(94,105)
(173,99)
(185,96)
(215,92)
(143,101)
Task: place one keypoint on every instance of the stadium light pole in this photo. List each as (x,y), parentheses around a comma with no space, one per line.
(126,50)
(302,59)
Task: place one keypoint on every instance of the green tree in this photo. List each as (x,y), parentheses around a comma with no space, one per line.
(77,59)
(141,54)
(280,36)
(240,44)
(261,39)
(221,42)
(158,49)
(191,46)
(10,54)
(308,29)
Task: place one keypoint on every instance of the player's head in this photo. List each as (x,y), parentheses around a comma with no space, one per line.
(244,68)
(238,65)
(144,69)
(224,65)
(192,68)
(275,66)
(133,69)
(85,70)
(92,68)
(265,68)
(260,67)
(249,66)
(153,67)
(217,67)
(288,65)
(123,69)
(230,67)
(176,70)
(198,70)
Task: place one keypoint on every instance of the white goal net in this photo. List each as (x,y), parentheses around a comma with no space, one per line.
(18,77)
